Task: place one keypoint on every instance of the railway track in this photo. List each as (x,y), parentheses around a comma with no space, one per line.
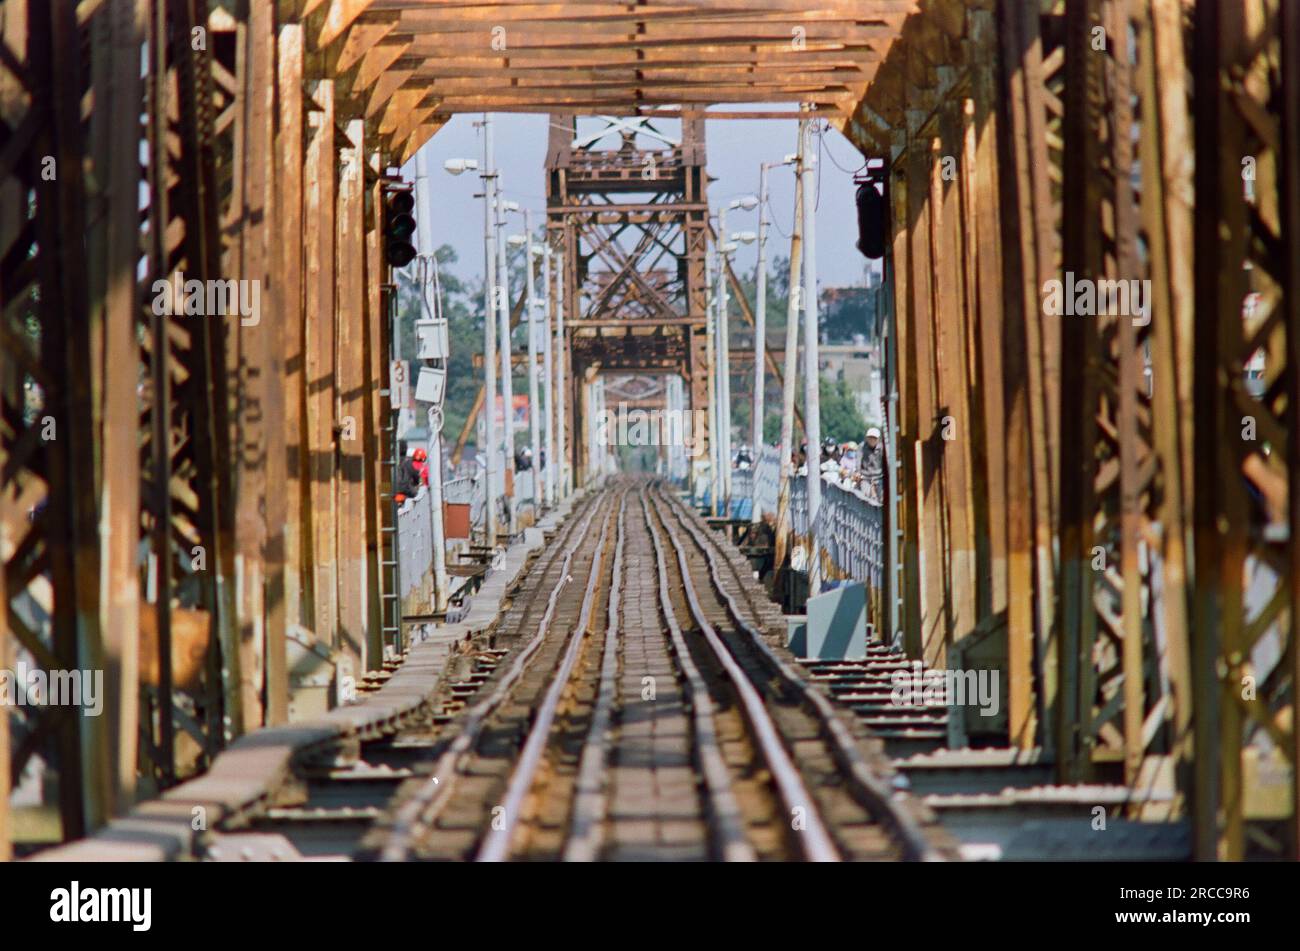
(630,702)
(999,802)
(642,714)
(339,799)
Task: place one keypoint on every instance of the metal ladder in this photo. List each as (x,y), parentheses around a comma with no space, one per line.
(390,574)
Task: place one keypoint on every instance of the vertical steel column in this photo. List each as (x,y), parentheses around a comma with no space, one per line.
(548,341)
(383,561)
(760,346)
(1167,219)
(715,441)
(988,126)
(120,511)
(290,329)
(562,383)
(363,647)
(812,368)
(791,375)
(1245,303)
(1020,246)
(320,181)
(489,449)
(723,339)
(507,364)
(530,323)
(1289,259)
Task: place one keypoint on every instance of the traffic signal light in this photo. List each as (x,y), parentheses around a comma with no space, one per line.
(399,228)
(872,223)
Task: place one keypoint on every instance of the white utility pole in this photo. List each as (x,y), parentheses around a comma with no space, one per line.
(432,310)
(530,321)
(564,471)
(791,352)
(812,370)
(548,360)
(760,347)
(724,364)
(507,371)
(715,469)
(679,404)
(602,455)
(489,448)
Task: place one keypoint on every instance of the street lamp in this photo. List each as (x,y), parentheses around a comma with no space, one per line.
(812,371)
(489,176)
(525,240)
(502,294)
(725,247)
(760,328)
(433,354)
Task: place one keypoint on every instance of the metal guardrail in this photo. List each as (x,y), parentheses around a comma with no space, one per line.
(458,491)
(414,541)
(768,476)
(849,529)
(767,473)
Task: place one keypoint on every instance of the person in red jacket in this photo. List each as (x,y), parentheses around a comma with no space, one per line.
(421,465)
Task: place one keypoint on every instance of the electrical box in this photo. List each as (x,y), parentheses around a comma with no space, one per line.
(434,343)
(430,386)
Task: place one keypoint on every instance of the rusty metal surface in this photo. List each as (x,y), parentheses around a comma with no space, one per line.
(215,487)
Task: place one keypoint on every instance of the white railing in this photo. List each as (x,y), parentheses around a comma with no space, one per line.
(767,473)
(849,530)
(414,541)
(768,476)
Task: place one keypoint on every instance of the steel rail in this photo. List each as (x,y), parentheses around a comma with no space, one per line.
(733,845)
(816,841)
(878,798)
(589,801)
(434,794)
(496,844)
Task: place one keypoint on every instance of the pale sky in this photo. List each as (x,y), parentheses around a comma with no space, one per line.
(735,150)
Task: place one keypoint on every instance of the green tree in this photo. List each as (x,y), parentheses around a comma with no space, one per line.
(840,418)
(847,311)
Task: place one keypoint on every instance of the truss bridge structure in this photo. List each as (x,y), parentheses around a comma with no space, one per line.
(627,209)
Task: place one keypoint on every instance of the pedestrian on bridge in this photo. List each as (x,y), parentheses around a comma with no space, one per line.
(873,462)
(420,466)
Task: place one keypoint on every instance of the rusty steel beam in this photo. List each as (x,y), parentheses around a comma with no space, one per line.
(645,272)
(285,389)
(1245,305)
(351,383)
(1108,477)
(320,421)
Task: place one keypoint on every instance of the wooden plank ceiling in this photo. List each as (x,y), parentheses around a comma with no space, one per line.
(409,65)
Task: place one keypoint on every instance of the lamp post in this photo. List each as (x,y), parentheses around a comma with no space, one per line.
(489,447)
(760,332)
(724,248)
(791,363)
(563,469)
(507,369)
(548,367)
(433,311)
(812,370)
(711,359)
(525,241)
